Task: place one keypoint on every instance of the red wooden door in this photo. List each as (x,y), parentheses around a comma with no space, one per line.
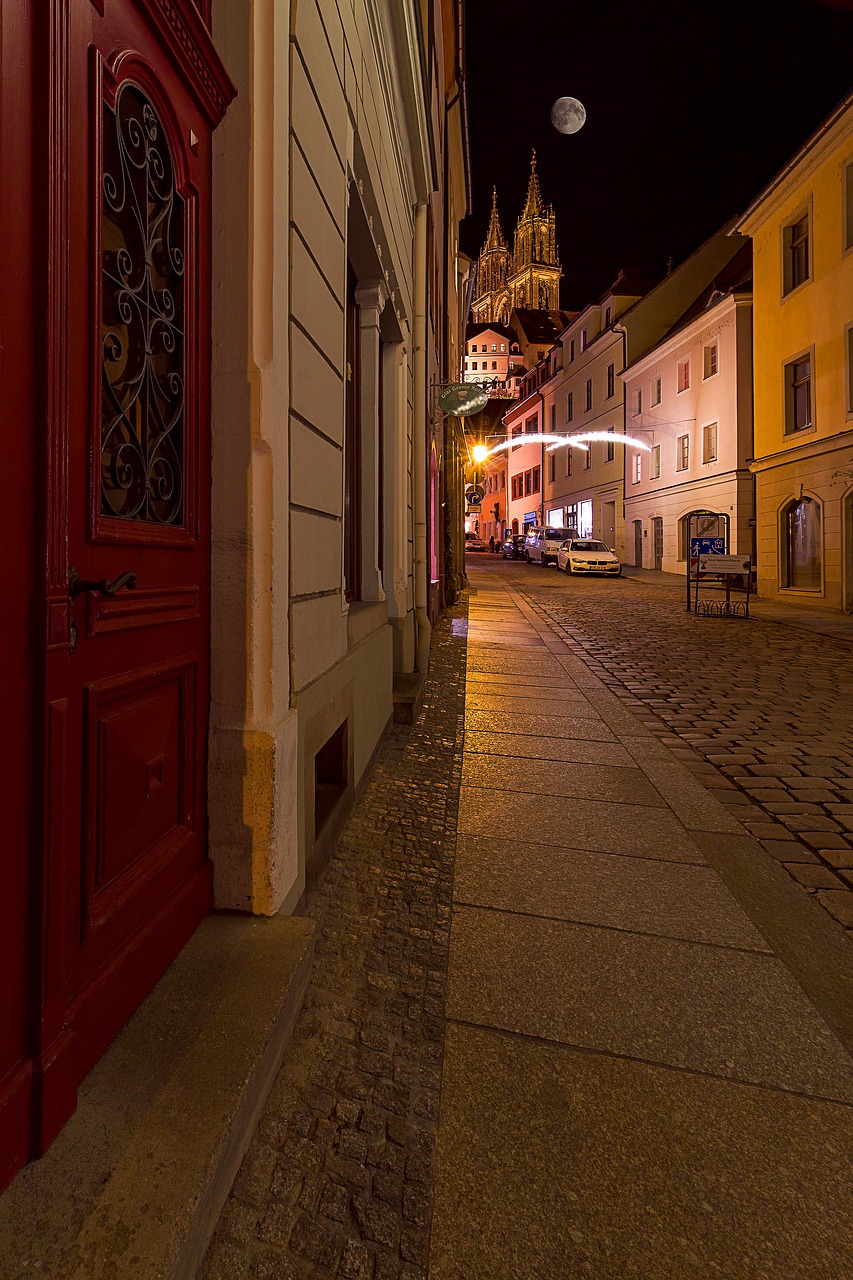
(135,91)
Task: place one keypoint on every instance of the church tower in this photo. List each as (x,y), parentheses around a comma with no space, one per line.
(535,271)
(491,304)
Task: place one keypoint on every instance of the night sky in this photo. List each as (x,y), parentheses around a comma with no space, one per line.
(691,109)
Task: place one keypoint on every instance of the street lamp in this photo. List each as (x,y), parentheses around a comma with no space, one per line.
(480,452)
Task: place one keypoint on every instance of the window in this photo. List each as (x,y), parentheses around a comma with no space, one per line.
(638,401)
(683,382)
(467,364)
(607,314)
(611,447)
(503,479)
(528,482)
(503,346)
(570,407)
(553,419)
(494,364)
(517,483)
(537,479)
(657,383)
(636,468)
(801,545)
(494,346)
(569,460)
(710,360)
(588,393)
(511,365)
(587,457)
(795,248)
(611,380)
(798,395)
(709,442)
(552,468)
(571,349)
(583,339)
(682,455)
(474,363)
(530,426)
(654,463)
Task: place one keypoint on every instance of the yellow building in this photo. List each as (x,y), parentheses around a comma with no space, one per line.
(802,231)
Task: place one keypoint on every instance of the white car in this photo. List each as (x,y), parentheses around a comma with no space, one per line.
(588,555)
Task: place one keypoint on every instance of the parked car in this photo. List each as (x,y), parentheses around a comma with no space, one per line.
(543,542)
(475,543)
(513,546)
(588,555)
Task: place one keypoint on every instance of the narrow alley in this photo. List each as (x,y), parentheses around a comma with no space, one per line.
(582,998)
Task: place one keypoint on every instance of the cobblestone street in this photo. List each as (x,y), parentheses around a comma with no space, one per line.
(566,1017)
(762,711)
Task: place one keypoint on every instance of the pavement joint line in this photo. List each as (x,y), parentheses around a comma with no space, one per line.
(621,929)
(570,1047)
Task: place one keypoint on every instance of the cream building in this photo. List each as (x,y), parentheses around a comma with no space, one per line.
(690,399)
(802,232)
(342,176)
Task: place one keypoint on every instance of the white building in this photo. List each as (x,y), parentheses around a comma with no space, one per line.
(690,398)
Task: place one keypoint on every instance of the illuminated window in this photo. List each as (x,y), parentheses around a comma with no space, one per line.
(636,468)
(801,541)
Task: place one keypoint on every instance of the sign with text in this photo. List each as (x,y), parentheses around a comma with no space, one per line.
(723,564)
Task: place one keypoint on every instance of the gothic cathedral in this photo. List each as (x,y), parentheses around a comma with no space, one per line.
(527,277)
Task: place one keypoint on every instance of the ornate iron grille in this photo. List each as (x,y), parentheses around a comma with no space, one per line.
(142,330)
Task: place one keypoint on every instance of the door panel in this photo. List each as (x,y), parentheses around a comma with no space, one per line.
(125,875)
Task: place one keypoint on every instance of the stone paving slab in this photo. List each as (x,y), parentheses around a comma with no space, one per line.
(573,726)
(669,899)
(505,745)
(502,705)
(736,1014)
(556,1165)
(632,829)
(510,662)
(547,777)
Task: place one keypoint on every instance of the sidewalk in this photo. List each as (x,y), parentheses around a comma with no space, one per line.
(644,1072)
(828,622)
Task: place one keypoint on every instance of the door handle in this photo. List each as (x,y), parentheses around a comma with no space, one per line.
(77,585)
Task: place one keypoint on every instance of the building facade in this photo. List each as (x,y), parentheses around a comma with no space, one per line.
(690,399)
(802,232)
(240,540)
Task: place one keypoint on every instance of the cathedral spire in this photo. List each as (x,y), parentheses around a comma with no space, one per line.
(533,206)
(495,237)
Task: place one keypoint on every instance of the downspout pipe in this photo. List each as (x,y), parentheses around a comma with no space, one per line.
(420,567)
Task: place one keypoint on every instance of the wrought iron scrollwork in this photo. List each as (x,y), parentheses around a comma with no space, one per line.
(142,330)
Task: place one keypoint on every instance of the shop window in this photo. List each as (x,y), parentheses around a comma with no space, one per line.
(801,541)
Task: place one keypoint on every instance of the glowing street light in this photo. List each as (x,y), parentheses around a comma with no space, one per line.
(480,452)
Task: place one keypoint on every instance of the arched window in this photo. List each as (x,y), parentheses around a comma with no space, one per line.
(801,543)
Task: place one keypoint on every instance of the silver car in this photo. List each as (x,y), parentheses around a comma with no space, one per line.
(588,555)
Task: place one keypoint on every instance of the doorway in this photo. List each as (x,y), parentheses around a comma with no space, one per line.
(657,536)
(638,543)
(115,874)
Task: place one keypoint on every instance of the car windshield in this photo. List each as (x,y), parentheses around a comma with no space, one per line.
(559,534)
(588,544)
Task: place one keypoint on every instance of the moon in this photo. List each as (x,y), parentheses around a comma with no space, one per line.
(568,115)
